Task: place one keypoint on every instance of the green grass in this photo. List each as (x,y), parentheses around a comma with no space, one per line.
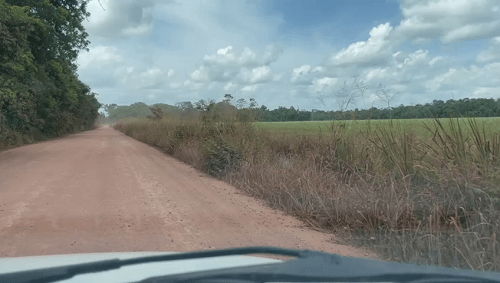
(414,125)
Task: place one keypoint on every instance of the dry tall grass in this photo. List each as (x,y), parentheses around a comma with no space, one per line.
(429,201)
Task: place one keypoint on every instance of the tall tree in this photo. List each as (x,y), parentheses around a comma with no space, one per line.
(40,90)
(62,36)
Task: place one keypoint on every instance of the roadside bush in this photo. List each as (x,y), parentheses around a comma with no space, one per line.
(182,134)
(221,158)
(15,138)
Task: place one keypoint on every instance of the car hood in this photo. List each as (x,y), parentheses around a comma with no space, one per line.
(128,273)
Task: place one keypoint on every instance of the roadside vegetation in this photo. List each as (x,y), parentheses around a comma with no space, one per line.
(293,116)
(422,191)
(41,96)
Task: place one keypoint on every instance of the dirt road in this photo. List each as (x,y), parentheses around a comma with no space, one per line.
(101,191)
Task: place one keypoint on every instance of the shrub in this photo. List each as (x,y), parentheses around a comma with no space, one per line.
(221,158)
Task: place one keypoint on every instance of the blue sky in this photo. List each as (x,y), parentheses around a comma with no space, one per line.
(291,52)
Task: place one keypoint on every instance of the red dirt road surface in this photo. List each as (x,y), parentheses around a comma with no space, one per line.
(101,191)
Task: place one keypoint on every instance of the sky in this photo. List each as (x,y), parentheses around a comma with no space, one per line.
(291,52)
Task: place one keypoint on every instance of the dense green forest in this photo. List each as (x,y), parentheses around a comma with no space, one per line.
(479,107)
(40,93)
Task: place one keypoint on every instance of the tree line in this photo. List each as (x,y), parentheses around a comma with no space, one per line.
(40,93)
(479,107)
(475,107)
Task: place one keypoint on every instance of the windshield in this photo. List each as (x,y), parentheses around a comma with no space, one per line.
(366,129)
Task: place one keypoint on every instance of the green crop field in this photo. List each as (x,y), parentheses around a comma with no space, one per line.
(408,125)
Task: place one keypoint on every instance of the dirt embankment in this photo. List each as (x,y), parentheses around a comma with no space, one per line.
(101,191)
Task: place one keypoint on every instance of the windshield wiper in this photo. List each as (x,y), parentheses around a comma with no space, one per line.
(309,266)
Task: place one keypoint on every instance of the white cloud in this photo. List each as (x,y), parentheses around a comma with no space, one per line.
(153,78)
(211,86)
(139,30)
(419,58)
(226,65)
(230,86)
(305,74)
(249,88)
(398,57)
(407,69)
(486,92)
(324,84)
(448,20)
(154,72)
(466,80)
(299,75)
(257,75)
(224,56)
(492,54)
(375,50)
(452,76)
(100,57)
(377,74)
(207,25)
(200,75)
(278,77)
(318,69)
(436,60)
(175,85)
(248,58)
(121,19)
